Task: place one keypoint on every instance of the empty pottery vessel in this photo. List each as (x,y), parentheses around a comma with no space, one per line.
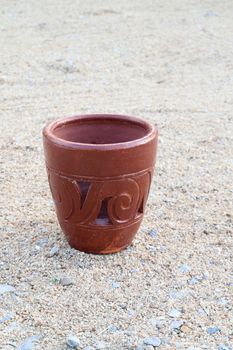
(99,169)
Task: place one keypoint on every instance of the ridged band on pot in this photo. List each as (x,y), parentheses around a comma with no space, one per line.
(100,169)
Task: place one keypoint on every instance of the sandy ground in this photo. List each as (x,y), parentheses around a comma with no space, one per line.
(170,62)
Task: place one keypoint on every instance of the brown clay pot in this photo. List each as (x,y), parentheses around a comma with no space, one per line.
(99,169)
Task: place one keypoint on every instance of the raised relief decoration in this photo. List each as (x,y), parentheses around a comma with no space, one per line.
(117,201)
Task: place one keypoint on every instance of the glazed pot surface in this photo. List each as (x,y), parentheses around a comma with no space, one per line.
(99,170)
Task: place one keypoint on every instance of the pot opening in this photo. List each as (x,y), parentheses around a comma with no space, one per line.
(101,129)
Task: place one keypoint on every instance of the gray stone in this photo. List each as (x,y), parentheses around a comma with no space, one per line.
(73,342)
(115,285)
(174,294)
(13,325)
(223,302)
(174,313)
(66,281)
(29,343)
(165,341)
(194,281)
(53,251)
(201,311)
(42,242)
(133,270)
(210,13)
(153,233)
(159,324)
(81,264)
(154,341)
(176,324)
(88,348)
(184,268)
(100,345)
(6,318)
(113,329)
(213,330)
(149,347)
(131,313)
(224,347)
(6,288)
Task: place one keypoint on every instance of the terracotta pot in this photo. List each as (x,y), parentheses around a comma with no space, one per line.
(99,170)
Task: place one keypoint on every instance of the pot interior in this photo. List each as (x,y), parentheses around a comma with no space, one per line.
(101,130)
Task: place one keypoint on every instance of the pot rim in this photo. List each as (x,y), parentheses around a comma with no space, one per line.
(48,132)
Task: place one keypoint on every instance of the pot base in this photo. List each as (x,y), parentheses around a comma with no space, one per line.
(101,240)
(104,252)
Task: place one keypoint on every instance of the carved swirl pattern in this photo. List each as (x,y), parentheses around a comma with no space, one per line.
(80,201)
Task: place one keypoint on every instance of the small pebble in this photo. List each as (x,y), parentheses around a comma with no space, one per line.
(153,233)
(165,341)
(6,318)
(113,329)
(140,348)
(13,325)
(73,342)
(176,294)
(131,313)
(42,242)
(229,284)
(154,341)
(6,288)
(176,324)
(66,281)
(29,343)
(174,313)
(53,251)
(184,268)
(133,270)
(213,330)
(222,301)
(201,311)
(115,285)
(185,329)
(81,264)
(149,347)
(159,324)
(152,248)
(194,281)
(30,81)
(210,13)
(224,347)
(88,348)
(100,345)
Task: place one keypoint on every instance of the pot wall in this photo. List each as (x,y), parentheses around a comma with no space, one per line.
(100,193)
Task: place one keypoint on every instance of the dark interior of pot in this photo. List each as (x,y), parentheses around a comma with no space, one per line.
(101,130)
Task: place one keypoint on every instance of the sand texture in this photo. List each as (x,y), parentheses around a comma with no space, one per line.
(171,63)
